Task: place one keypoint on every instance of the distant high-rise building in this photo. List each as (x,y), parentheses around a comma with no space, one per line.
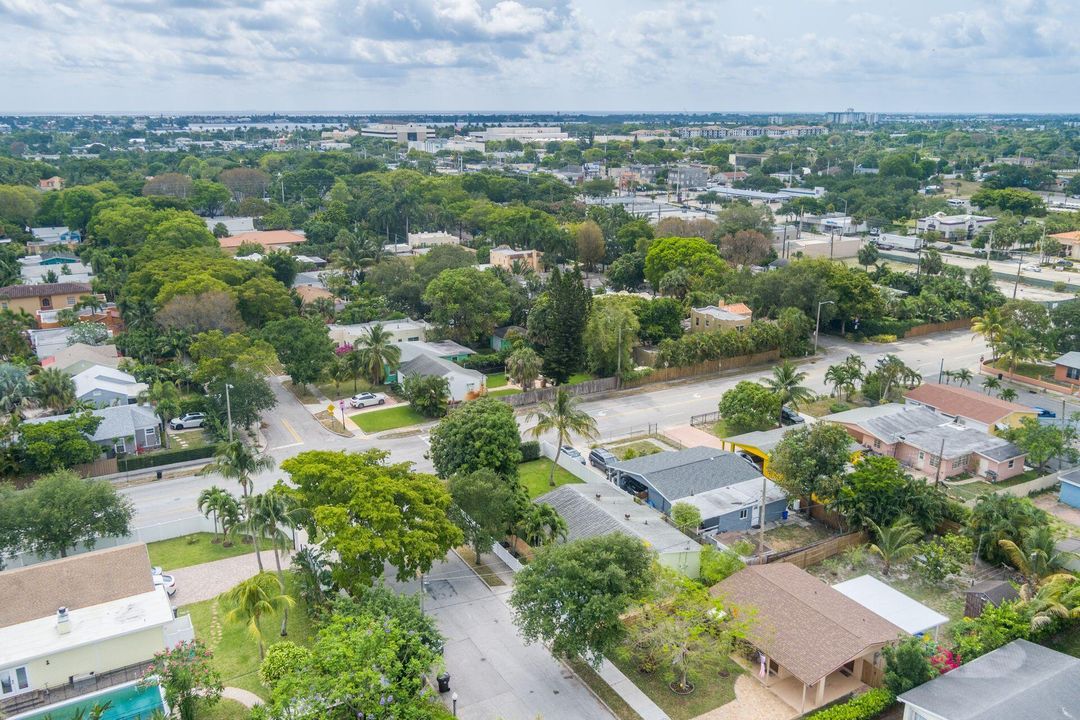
(850,117)
(776,119)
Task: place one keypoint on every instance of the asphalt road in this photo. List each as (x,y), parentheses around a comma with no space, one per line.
(1005,267)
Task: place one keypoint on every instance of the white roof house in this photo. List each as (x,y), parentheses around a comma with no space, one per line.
(909,615)
(104,386)
(400,331)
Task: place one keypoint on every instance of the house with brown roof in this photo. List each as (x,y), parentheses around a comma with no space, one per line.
(1070,242)
(270,240)
(53,183)
(43,297)
(814,644)
(969,408)
(88,623)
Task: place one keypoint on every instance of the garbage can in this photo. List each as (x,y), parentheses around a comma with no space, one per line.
(783,515)
(444,682)
(158,474)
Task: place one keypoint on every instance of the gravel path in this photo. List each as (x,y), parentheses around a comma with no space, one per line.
(202,582)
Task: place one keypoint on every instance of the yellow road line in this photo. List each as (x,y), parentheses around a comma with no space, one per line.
(292,432)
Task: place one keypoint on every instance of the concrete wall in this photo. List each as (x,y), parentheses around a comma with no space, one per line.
(100,657)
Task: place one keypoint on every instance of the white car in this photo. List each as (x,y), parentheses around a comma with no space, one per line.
(366,399)
(1033,268)
(163,580)
(188,420)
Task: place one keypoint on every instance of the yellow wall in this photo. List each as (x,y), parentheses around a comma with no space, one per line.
(687,562)
(99,657)
(33,304)
(1013,420)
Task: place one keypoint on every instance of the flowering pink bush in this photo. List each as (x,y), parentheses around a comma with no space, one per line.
(943,660)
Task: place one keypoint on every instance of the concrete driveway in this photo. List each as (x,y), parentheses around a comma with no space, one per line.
(495,674)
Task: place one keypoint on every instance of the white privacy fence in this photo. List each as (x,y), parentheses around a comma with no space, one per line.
(575,468)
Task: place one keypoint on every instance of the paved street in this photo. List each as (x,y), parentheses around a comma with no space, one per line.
(1006,267)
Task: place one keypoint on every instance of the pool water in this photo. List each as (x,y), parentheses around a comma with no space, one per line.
(128,703)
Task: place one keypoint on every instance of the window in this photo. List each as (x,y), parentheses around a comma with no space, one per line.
(13,681)
(921,455)
(71,300)
(1073,373)
(1011,463)
(46,302)
(743,514)
(697,321)
(877,443)
(151,436)
(961,462)
(934,460)
(120,446)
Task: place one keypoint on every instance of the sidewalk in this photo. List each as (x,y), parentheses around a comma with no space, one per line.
(208,580)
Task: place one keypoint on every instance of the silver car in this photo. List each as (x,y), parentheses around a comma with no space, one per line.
(366,399)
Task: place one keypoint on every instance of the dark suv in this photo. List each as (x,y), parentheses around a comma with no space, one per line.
(600,458)
(790,417)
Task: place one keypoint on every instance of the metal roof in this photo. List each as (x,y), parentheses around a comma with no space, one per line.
(682,473)
(1069,359)
(906,613)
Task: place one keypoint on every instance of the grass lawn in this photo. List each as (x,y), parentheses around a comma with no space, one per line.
(388,419)
(710,691)
(534,474)
(971,491)
(225,709)
(640,449)
(720,429)
(823,405)
(194,550)
(184,439)
(504,392)
(345,390)
(596,683)
(791,536)
(579,378)
(1031,370)
(496,380)
(236,654)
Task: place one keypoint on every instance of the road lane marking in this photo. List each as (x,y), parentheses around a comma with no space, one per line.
(282,447)
(296,437)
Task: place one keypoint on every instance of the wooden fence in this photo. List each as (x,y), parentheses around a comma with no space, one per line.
(548,394)
(930,328)
(819,551)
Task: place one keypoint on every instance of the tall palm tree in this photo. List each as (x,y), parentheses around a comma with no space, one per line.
(320,307)
(379,352)
(15,388)
(786,383)
(895,543)
(354,366)
(165,398)
(54,389)
(948,375)
(990,325)
(252,600)
(236,461)
(523,366)
(1017,346)
(1007,394)
(338,371)
(1058,597)
(211,502)
(1036,556)
(91,302)
(542,525)
(272,511)
(962,376)
(989,384)
(563,416)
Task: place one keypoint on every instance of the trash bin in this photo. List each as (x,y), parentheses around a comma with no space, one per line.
(783,514)
(444,682)
(158,474)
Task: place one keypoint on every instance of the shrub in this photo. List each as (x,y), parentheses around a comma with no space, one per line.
(1060,286)
(717,565)
(282,658)
(864,707)
(685,516)
(139,462)
(530,450)
(837,407)
(884,338)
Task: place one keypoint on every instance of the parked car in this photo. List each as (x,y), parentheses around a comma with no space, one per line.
(1044,413)
(748,458)
(1063,264)
(600,458)
(885,246)
(366,399)
(163,580)
(790,417)
(188,420)
(572,453)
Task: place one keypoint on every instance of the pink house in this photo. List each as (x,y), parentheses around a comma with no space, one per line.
(931,443)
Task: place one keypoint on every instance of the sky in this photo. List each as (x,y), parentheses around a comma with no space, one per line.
(967,56)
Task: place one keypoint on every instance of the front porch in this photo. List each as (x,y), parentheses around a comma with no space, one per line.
(807,697)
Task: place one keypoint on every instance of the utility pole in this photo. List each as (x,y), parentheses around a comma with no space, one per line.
(1019,266)
(817,325)
(228,410)
(761,517)
(618,349)
(941,370)
(940,460)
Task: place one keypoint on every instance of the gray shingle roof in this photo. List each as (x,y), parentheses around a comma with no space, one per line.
(1021,681)
(584,519)
(1069,359)
(960,440)
(430,365)
(116,421)
(687,472)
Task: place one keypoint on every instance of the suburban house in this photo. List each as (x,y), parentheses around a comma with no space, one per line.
(1067,368)
(75,358)
(815,643)
(594,509)
(102,386)
(1070,488)
(88,623)
(503,337)
(42,297)
(724,317)
(954,227)
(726,488)
(883,600)
(46,239)
(52,183)
(465,384)
(399,330)
(758,443)
(1020,680)
(123,430)
(931,443)
(504,257)
(270,240)
(40,268)
(1070,242)
(969,408)
(431,239)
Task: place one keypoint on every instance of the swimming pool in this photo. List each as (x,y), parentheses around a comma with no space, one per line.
(129,702)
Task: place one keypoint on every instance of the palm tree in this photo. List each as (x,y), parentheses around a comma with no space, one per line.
(165,398)
(948,375)
(354,366)
(212,501)
(1058,597)
(54,389)
(542,525)
(1036,556)
(895,543)
(991,325)
(379,353)
(312,574)
(523,366)
(563,416)
(252,600)
(91,302)
(338,372)
(962,376)
(236,461)
(1008,394)
(15,388)
(320,307)
(270,512)
(786,383)
(1017,347)
(990,384)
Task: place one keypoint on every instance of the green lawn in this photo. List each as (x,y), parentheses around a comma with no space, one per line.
(225,709)
(345,391)
(534,475)
(504,392)
(791,536)
(236,654)
(710,689)
(971,491)
(1031,370)
(388,419)
(185,439)
(496,380)
(579,378)
(613,699)
(195,549)
(640,448)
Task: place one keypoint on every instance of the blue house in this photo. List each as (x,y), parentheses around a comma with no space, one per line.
(1070,488)
(726,488)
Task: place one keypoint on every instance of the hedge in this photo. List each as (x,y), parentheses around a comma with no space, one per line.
(530,450)
(864,707)
(167,457)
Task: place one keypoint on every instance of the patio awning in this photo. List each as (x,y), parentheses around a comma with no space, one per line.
(910,615)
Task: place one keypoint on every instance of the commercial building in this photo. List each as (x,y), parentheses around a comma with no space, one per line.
(954,227)
(504,257)
(454,144)
(431,239)
(850,117)
(1070,243)
(397,132)
(521,133)
(725,317)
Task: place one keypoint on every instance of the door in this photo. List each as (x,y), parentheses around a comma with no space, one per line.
(755,516)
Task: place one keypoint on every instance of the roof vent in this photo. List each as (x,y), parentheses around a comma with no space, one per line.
(63,621)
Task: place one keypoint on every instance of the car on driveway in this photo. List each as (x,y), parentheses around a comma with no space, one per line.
(1044,413)
(188,421)
(163,580)
(367,399)
(600,458)
(790,417)
(572,453)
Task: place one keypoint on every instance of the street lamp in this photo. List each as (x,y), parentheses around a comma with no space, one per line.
(228,410)
(453,699)
(817,324)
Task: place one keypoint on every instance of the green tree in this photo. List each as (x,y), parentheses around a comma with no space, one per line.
(1036,555)
(541,525)
(283,659)
(252,600)
(811,460)
(215,502)
(371,512)
(428,394)
(749,406)
(61,511)
(563,416)
(1017,346)
(54,389)
(571,596)
(943,556)
(15,387)
(468,303)
(610,336)
(486,507)
(1001,517)
(786,384)
(186,674)
(249,397)
(235,460)
(557,324)
(991,326)
(165,398)
(44,447)
(263,299)
(895,543)
(686,517)
(589,239)
(303,347)
(699,257)
(879,490)
(1040,442)
(907,665)
(844,376)
(718,565)
(479,435)
(378,353)
(868,255)
(523,367)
